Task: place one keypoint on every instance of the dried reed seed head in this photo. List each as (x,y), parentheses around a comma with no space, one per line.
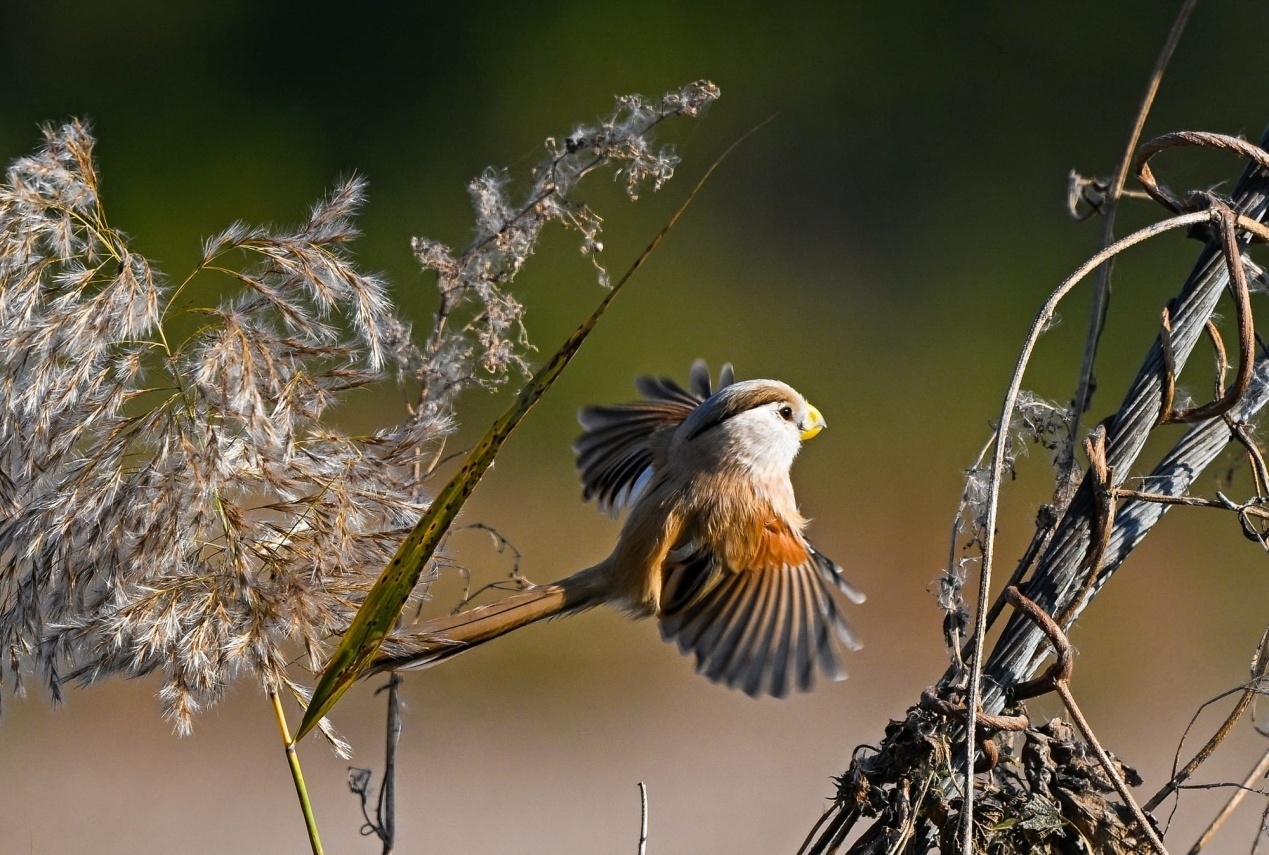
(186,507)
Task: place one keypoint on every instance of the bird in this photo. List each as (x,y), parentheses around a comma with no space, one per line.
(712,545)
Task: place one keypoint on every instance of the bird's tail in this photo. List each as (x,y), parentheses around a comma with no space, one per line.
(441,638)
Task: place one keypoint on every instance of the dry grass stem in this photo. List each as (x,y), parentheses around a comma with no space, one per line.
(1254,686)
(1257,773)
(643,818)
(297,774)
(1000,454)
(1109,207)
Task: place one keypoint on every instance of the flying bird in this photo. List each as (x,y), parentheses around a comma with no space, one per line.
(712,546)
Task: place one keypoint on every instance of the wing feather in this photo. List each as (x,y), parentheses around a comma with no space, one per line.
(615,449)
(694,626)
(760,654)
(732,628)
(823,622)
(733,664)
(801,611)
(761,629)
(781,651)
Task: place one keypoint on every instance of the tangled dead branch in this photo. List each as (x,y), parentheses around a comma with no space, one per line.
(1039,788)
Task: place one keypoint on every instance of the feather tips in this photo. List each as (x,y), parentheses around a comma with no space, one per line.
(763,629)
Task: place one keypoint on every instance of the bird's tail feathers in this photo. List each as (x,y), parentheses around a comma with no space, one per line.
(442,638)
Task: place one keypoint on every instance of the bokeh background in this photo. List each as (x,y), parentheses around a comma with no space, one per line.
(881,244)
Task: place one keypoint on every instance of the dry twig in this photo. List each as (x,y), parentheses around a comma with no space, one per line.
(1057,679)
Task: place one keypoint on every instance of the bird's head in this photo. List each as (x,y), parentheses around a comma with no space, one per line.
(757,423)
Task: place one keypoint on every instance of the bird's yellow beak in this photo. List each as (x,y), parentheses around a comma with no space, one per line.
(813,423)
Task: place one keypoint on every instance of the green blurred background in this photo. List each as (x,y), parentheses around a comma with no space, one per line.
(881,245)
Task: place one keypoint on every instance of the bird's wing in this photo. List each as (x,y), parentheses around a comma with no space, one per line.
(614,453)
(759,628)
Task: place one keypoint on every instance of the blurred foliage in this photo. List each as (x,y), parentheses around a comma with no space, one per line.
(827,248)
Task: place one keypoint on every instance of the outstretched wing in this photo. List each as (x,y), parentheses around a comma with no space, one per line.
(614,454)
(763,628)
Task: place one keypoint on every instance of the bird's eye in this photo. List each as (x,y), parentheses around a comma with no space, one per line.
(786,413)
